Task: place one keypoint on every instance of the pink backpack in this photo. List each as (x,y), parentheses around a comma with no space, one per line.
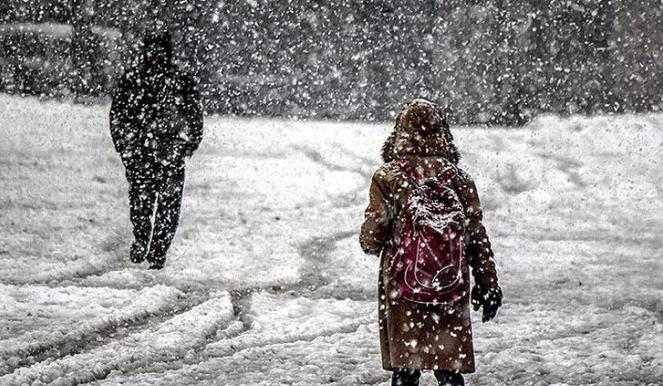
(429,265)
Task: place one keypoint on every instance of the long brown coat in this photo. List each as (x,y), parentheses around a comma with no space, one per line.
(413,335)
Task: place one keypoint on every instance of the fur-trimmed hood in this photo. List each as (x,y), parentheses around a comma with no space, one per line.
(421,129)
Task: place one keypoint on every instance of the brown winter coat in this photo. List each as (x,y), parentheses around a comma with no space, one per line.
(413,335)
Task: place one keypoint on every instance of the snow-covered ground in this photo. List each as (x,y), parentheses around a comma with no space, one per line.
(266,284)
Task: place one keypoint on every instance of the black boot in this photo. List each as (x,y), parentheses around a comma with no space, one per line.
(156,262)
(449,378)
(138,252)
(405,377)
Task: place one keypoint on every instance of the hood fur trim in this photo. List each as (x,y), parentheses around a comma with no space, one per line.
(421,129)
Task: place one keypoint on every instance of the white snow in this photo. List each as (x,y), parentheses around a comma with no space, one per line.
(265,283)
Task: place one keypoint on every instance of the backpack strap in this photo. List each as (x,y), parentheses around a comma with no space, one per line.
(411,172)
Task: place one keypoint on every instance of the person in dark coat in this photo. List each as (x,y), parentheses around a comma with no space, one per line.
(156,123)
(416,336)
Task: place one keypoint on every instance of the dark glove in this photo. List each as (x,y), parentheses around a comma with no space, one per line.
(490,300)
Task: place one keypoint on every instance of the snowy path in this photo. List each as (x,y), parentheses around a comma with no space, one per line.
(265,283)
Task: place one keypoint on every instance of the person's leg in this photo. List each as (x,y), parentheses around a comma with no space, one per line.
(169,202)
(405,377)
(449,378)
(141,208)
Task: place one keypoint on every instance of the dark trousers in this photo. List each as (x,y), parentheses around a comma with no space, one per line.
(407,377)
(155,190)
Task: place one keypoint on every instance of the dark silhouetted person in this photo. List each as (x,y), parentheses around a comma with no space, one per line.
(156,122)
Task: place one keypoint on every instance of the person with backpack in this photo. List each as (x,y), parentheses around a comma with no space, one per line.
(156,122)
(424,221)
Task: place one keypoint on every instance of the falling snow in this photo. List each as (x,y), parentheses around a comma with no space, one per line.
(555,107)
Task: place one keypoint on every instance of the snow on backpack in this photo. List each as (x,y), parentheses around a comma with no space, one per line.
(429,265)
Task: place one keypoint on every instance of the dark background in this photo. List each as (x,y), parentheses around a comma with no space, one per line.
(494,62)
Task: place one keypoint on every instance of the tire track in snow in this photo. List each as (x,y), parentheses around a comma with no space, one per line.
(229,347)
(96,334)
(173,340)
(66,276)
(107,332)
(314,252)
(237,337)
(217,354)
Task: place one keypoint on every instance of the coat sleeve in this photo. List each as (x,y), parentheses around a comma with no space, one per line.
(478,250)
(376,229)
(122,126)
(193,111)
